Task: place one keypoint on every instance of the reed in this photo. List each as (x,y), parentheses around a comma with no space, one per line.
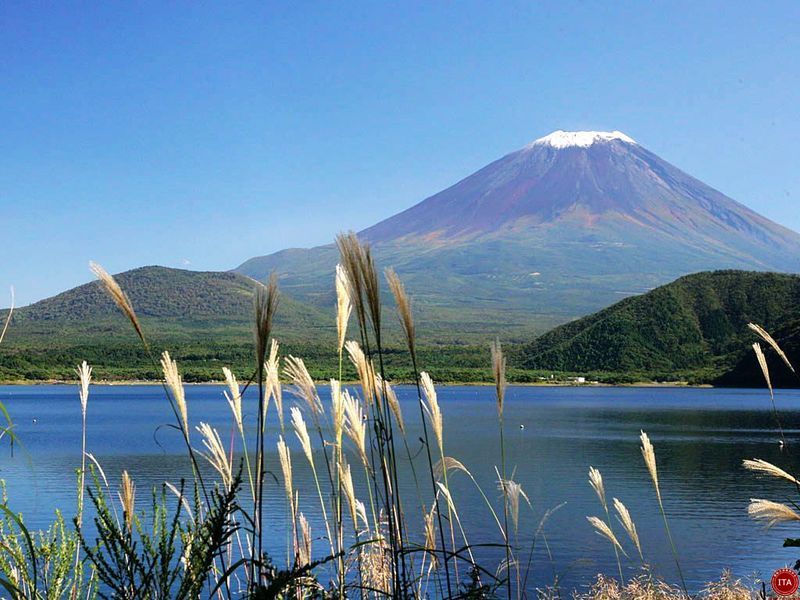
(119,297)
(84,372)
(772,513)
(649,455)
(499,373)
(127,499)
(596,481)
(771,341)
(625,519)
(761,466)
(602,529)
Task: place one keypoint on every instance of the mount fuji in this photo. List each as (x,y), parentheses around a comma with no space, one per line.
(569,224)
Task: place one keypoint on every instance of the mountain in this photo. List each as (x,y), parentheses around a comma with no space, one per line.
(203,318)
(697,322)
(170,303)
(560,228)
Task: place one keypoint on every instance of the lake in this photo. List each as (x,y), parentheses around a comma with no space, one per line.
(553,435)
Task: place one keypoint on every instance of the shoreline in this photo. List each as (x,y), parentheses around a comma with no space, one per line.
(150,382)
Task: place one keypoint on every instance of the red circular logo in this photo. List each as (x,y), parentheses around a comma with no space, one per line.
(785,582)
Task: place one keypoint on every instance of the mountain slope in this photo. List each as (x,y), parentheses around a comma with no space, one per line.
(171,304)
(697,321)
(563,227)
(203,319)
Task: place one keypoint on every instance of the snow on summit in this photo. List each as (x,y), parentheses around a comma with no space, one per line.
(581,139)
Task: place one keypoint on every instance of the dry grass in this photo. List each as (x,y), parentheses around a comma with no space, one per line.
(603,530)
(127,498)
(119,297)
(173,380)
(625,519)
(762,362)
(403,303)
(646,587)
(344,307)
(215,453)
(761,466)
(265,303)
(772,513)
(499,373)
(771,341)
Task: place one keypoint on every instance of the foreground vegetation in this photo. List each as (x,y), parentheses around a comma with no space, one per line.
(205,537)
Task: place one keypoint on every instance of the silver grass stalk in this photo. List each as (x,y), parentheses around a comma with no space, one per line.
(301,431)
(234,398)
(175,384)
(451,464)
(430,536)
(403,309)
(771,512)
(273,381)
(337,411)
(84,372)
(771,341)
(649,455)
(499,372)
(625,519)
(346,477)
(513,491)
(762,362)
(344,306)
(354,425)
(304,550)
(761,466)
(285,459)
(596,481)
(303,385)
(361,511)
(265,304)
(432,409)
(8,318)
(366,373)
(602,529)
(127,498)
(119,297)
(391,399)
(215,453)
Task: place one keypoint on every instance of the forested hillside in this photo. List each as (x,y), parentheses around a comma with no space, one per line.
(697,322)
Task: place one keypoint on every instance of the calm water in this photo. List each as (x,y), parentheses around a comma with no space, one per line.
(701,436)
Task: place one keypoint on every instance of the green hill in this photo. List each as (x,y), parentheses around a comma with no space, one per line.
(696,323)
(203,318)
(171,303)
(694,328)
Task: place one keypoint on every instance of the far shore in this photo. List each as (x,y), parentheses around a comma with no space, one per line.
(143,382)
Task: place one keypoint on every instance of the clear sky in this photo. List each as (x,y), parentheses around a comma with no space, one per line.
(202,134)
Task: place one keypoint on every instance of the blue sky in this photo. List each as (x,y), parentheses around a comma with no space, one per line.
(202,134)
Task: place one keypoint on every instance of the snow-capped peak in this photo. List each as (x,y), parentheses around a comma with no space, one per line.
(581,139)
